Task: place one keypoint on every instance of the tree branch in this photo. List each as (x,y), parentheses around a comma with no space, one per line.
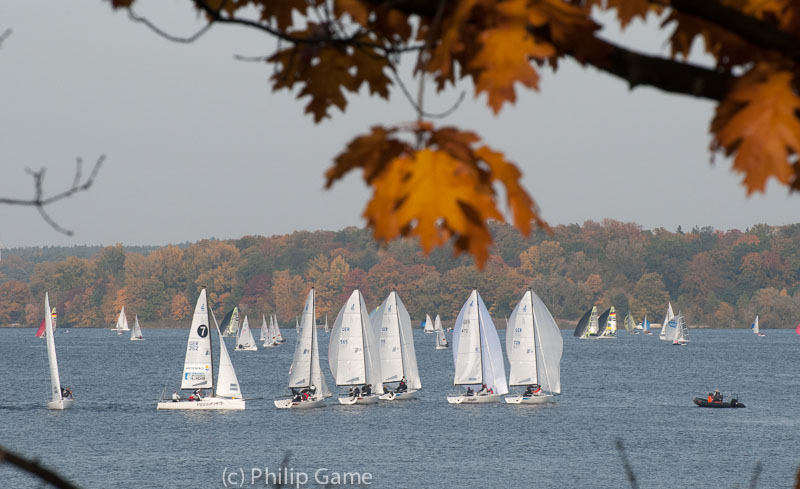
(751,29)
(33,467)
(39,199)
(142,20)
(5,35)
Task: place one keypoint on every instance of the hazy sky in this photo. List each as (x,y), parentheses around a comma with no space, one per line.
(198,146)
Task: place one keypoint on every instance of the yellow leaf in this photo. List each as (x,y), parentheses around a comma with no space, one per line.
(758,121)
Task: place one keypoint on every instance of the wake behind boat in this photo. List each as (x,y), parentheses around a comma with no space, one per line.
(477,355)
(198,369)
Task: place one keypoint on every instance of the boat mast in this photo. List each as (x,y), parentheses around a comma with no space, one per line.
(480,343)
(210,350)
(363,338)
(399,335)
(313,332)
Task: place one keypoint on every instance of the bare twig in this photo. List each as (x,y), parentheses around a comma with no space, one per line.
(34,468)
(39,199)
(419,110)
(626,464)
(186,40)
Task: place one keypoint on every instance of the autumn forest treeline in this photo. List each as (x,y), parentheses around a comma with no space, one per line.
(717,278)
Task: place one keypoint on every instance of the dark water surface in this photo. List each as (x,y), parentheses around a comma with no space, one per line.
(636,388)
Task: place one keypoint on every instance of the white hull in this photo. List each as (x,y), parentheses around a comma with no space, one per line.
(439,347)
(474,399)
(60,405)
(349,400)
(289,404)
(393,396)
(269,345)
(249,348)
(208,404)
(529,399)
(137,339)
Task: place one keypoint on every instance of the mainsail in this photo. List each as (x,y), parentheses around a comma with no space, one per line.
(441,339)
(630,324)
(197,372)
(136,332)
(55,380)
(230,323)
(663,334)
(244,339)
(477,354)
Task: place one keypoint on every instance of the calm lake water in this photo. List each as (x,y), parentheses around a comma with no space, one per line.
(636,388)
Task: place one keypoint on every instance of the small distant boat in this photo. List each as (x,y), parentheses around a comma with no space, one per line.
(353,352)
(663,335)
(441,339)
(198,368)
(244,338)
(136,332)
(681,335)
(428,324)
(264,329)
(630,324)
(276,329)
(327,328)
(58,400)
(608,324)
(646,326)
(534,346)
(477,355)
(230,323)
(305,374)
(122,322)
(709,402)
(588,325)
(756,330)
(272,338)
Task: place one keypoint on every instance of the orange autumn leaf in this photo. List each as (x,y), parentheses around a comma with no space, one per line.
(758,122)
(371,152)
(504,57)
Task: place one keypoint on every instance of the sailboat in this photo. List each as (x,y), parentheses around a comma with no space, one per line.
(588,325)
(264,329)
(681,335)
(398,360)
(296,325)
(663,334)
(534,346)
(608,324)
(271,339)
(353,351)
(756,330)
(305,372)
(244,338)
(441,339)
(198,368)
(122,322)
(327,329)
(40,333)
(136,332)
(428,324)
(57,401)
(630,324)
(477,355)
(277,330)
(646,326)
(230,323)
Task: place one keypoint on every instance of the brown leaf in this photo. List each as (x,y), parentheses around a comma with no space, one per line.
(371,152)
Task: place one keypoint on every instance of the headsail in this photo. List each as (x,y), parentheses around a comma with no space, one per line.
(227,382)
(305,370)
(663,334)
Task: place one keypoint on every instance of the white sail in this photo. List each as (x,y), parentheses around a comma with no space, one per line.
(227,382)
(353,350)
(264,329)
(396,344)
(670,330)
(273,329)
(594,322)
(441,339)
(663,334)
(327,329)
(244,339)
(477,353)
(278,336)
(197,372)
(755,325)
(55,380)
(122,321)
(136,332)
(534,345)
(428,324)
(305,370)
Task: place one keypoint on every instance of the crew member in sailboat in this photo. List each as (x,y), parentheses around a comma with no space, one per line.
(402,387)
